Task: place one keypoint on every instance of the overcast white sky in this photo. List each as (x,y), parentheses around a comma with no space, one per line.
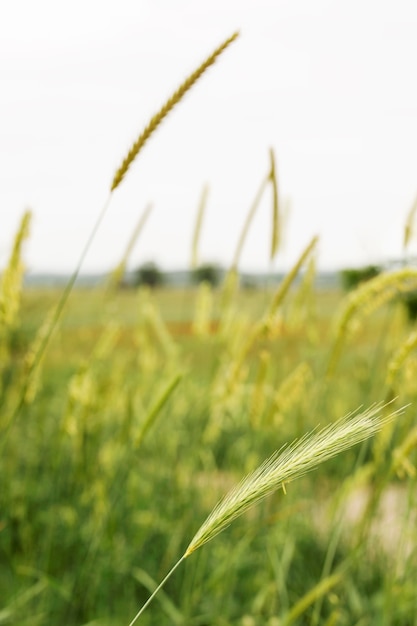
(331,86)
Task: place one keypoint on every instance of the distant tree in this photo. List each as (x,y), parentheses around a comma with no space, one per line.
(209,273)
(148,274)
(352,277)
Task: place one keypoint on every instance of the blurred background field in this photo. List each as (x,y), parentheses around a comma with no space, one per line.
(144,412)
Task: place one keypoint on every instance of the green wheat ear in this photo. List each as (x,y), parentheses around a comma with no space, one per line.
(163,112)
(285,465)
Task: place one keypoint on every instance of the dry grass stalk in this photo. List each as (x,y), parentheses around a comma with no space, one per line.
(163,112)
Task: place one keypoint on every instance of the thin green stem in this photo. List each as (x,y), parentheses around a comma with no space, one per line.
(54,320)
(159,587)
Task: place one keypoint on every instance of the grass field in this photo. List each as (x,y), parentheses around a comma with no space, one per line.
(125,415)
(96,507)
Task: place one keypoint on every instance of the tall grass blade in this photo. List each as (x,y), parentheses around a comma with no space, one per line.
(291,276)
(318,591)
(275,233)
(156,408)
(117,274)
(247,224)
(197,228)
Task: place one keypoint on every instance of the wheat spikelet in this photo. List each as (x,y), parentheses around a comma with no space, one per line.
(287,464)
(163,112)
(367,298)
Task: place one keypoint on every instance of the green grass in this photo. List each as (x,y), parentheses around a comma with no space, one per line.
(89,519)
(122,425)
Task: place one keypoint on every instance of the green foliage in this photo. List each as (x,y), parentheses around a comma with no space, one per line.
(353,277)
(89,519)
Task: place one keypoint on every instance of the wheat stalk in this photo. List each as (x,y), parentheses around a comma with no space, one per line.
(366,299)
(285,465)
(117,179)
(163,112)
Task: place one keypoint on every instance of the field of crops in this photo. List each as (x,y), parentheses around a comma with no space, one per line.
(127,414)
(147,407)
